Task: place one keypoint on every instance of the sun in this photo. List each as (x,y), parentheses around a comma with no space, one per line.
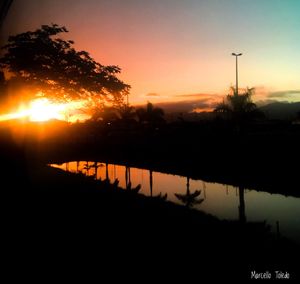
(43,110)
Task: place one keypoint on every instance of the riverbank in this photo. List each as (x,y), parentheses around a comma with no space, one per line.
(260,161)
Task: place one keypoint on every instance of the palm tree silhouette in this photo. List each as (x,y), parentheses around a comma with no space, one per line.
(239,108)
(189,199)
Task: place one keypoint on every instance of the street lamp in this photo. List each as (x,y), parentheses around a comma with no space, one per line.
(236,71)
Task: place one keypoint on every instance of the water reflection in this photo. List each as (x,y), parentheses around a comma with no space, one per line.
(189,199)
(151,182)
(223,201)
(242,212)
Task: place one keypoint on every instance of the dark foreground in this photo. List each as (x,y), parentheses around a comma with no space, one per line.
(60,222)
(60,225)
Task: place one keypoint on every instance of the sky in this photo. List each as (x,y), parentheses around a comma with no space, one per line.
(172,50)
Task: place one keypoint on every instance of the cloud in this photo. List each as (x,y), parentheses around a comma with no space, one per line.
(152,95)
(187,102)
(284,94)
(205,104)
(199,95)
(264,102)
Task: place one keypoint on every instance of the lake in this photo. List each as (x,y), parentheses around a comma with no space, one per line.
(223,201)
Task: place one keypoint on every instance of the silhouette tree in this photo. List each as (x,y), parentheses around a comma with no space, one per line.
(127,113)
(50,65)
(105,114)
(239,108)
(151,115)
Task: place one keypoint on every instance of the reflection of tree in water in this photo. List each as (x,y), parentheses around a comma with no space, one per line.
(189,199)
(106,171)
(127,176)
(96,166)
(158,196)
(87,167)
(151,182)
(133,189)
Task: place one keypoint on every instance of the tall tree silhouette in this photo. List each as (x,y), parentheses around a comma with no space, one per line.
(51,65)
(239,108)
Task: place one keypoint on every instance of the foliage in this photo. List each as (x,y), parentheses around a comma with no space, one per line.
(127,112)
(239,108)
(105,114)
(109,114)
(150,114)
(51,65)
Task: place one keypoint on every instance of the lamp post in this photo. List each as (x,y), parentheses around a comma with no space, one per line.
(236,71)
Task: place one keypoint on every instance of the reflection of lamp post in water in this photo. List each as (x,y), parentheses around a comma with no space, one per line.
(242,214)
(127,176)
(106,171)
(95,166)
(236,72)
(151,182)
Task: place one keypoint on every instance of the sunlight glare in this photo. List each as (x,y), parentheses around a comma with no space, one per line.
(42,109)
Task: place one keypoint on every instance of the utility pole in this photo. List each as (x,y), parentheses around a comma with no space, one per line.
(236,72)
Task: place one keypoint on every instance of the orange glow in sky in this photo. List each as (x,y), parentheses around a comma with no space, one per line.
(42,109)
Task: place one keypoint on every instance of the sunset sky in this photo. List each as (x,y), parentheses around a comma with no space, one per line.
(180,50)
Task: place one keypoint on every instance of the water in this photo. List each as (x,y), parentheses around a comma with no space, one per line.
(222,201)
